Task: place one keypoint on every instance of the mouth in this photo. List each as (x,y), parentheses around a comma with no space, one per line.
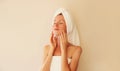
(56,29)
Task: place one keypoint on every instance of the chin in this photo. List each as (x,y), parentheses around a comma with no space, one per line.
(55,34)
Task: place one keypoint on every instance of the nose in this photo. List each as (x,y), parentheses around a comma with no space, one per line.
(55,25)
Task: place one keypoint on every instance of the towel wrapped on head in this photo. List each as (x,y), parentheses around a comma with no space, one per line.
(72,32)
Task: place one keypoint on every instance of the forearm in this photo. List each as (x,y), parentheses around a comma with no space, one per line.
(47,62)
(65,65)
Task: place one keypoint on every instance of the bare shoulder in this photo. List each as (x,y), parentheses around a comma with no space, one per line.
(77,50)
(46,49)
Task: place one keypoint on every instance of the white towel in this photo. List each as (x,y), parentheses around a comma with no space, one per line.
(72,32)
(56,63)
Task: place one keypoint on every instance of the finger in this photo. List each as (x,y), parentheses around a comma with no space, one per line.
(51,38)
(62,35)
(60,38)
(59,33)
(54,39)
(65,34)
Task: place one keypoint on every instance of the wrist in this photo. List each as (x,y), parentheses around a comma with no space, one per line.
(51,51)
(64,51)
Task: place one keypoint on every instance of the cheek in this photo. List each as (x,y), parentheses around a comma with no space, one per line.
(63,29)
(62,26)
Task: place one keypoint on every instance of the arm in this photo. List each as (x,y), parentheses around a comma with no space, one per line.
(48,54)
(63,46)
(75,60)
(47,59)
(75,57)
(65,65)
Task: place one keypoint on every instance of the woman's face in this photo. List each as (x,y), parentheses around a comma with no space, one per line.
(59,25)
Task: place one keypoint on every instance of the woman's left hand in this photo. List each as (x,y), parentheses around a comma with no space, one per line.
(63,41)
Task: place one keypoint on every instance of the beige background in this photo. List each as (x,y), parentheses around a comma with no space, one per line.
(25,28)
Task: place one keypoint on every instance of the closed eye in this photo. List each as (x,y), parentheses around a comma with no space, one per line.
(61,23)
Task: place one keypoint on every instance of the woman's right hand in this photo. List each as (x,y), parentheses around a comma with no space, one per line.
(52,41)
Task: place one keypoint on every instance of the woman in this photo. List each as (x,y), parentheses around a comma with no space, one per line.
(63,52)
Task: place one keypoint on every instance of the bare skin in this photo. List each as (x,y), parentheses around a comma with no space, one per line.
(59,46)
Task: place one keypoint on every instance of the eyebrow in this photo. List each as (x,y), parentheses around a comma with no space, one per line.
(60,20)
